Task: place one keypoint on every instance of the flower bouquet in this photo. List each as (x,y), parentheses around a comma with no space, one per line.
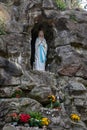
(75,117)
(24,118)
(38,120)
(54,102)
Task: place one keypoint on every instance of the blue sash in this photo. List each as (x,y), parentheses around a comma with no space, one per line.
(42,54)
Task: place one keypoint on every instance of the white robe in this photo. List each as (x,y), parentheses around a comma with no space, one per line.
(38,64)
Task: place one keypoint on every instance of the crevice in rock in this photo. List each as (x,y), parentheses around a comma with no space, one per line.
(78,45)
(48,31)
(63,45)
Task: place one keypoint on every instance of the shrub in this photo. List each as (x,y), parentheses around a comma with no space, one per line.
(61,5)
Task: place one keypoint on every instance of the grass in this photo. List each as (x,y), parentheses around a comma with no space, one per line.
(61,5)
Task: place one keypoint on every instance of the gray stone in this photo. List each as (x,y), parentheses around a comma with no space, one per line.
(4,15)
(75,86)
(48,4)
(42,94)
(68,55)
(6,92)
(9,70)
(44,78)
(50,13)
(9,127)
(67,58)
(12,68)
(33,3)
(79,102)
(21,103)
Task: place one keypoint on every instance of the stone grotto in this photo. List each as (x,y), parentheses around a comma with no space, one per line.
(66,67)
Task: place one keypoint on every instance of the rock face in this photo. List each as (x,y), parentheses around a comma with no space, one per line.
(66,69)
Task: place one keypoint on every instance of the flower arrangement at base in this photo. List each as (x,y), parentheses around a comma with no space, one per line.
(54,102)
(75,117)
(17,93)
(34,119)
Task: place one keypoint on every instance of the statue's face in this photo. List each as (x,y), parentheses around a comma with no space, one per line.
(41,34)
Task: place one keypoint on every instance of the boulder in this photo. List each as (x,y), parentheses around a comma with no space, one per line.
(20,105)
(42,94)
(75,86)
(7,92)
(9,127)
(12,68)
(33,3)
(44,78)
(4,14)
(69,70)
(8,70)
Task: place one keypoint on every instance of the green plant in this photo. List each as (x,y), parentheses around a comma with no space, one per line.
(35,118)
(2,28)
(17,93)
(61,5)
(35,115)
(73,17)
(54,102)
(38,120)
(35,123)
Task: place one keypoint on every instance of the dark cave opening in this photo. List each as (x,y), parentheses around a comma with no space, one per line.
(49,36)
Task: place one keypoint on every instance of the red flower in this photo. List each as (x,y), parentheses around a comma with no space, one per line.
(14,115)
(17,96)
(24,118)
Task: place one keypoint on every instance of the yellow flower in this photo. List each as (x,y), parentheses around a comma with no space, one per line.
(45,121)
(52,97)
(75,117)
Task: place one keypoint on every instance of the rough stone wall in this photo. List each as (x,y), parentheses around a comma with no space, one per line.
(67,57)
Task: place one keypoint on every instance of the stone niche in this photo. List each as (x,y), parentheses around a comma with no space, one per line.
(47,25)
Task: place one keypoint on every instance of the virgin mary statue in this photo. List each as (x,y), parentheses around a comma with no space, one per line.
(40,52)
